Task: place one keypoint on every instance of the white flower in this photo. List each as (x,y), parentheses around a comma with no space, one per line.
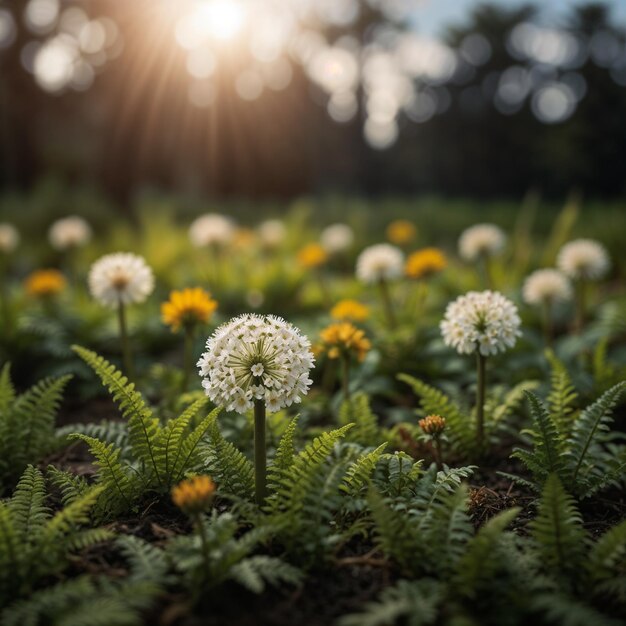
(380,262)
(484,321)
(337,238)
(9,238)
(69,232)
(211,228)
(481,240)
(584,259)
(121,277)
(256,357)
(546,286)
(272,233)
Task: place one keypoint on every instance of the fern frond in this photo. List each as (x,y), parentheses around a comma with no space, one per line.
(7,391)
(108,431)
(143,427)
(356,410)
(255,572)
(147,562)
(70,486)
(86,538)
(286,448)
(605,562)
(557,530)
(360,471)
(562,394)
(27,504)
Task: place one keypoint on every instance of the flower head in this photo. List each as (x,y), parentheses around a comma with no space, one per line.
(120,278)
(584,259)
(188,307)
(69,232)
(337,238)
(312,255)
(211,229)
(480,241)
(45,283)
(9,238)
(350,310)
(194,495)
(425,262)
(432,425)
(344,339)
(546,286)
(230,366)
(482,321)
(272,233)
(379,262)
(401,232)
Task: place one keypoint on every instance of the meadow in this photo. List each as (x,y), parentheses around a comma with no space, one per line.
(333,411)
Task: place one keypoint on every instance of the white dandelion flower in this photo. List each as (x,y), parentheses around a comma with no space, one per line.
(584,259)
(210,229)
(9,238)
(481,240)
(546,286)
(256,357)
(120,278)
(337,238)
(69,232)
(483,321)
(272,233)
(380,262)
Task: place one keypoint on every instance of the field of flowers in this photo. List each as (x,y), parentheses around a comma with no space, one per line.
(342,414)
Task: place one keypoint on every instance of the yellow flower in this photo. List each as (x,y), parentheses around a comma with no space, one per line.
(401,232)
(350,310)
(45,283)
(188,307)
(432,425)
(425,262)
(244,238)
(312,255)
(194,495)
(345,339)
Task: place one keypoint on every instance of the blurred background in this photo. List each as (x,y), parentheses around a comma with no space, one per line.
(279,99)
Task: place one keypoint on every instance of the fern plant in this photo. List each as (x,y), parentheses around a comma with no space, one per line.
(27,431)
(578,447)
(500,407)
(34,543)
(157,456)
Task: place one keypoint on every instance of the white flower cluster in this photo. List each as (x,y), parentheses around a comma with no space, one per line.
(256,357)
(584,259)
(481,240)
(9,238)
(69,232)
(337,238)
(121,277)
(211,228)
(380,262)
(546,286)
(481,320)
(272,233)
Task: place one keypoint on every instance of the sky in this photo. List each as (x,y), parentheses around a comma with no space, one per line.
(434,15)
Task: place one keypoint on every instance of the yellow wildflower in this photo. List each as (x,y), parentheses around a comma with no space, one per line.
(45,283)
(194,495)
(401,232)
(345,339)
(350,310)
(424,263)
(188,307)
(432,425)
(312,255)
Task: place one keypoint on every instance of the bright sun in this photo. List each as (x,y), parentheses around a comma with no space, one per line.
(217,20)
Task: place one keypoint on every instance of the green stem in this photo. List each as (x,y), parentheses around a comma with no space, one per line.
(126,352)
(438,453)
(581,305)
(386,298)
(345,362)
(197,520)
(547,322)
(480,399)
(187,357)
(259,451)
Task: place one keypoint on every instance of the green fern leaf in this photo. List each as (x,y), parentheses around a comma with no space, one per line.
(27,504)
(359,473)
(356,410)
(562,395)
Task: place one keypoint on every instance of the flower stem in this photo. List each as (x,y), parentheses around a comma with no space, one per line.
(386,298)
(547,322)
(345,362)
(581,305)
(438,453)
(126,353)
(259,451)
(488,271)
(187,357)
(480,400)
